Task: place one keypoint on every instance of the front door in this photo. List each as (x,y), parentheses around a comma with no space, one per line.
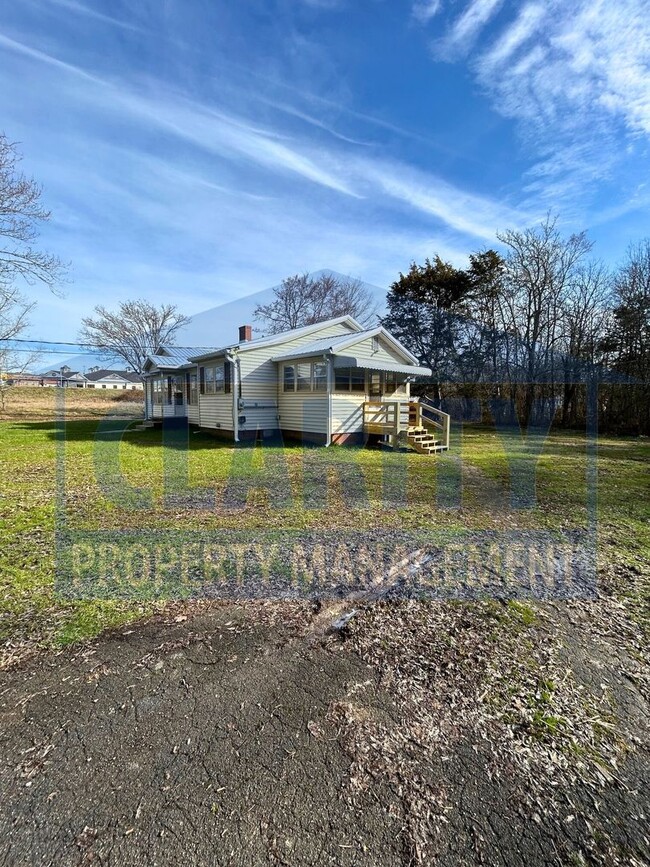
(179,403)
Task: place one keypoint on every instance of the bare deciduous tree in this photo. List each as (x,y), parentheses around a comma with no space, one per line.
(540,268)
(305,300)
(20,213)
(133,331)
(20,261)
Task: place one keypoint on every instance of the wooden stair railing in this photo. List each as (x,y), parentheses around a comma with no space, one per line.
(425,427)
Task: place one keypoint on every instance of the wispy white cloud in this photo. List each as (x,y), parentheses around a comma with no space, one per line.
(214,130)
(43,57)
(424,10)
(354,175)
(81,9)
(198,182)
(514,36)
(471,214)
(575,75)
(460,38)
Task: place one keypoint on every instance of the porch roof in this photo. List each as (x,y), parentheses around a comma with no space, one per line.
(369,364)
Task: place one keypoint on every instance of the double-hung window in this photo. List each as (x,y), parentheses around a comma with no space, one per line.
(209,380)
(219,379)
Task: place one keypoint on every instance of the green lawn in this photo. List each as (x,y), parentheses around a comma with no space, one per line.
(278,494)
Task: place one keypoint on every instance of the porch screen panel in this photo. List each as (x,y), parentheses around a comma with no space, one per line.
(357,379)
(320,376)
(342,379)
(303,377)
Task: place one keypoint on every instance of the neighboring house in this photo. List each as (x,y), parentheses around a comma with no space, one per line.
(124,379)
(330,382)
(94,378)
(64,378)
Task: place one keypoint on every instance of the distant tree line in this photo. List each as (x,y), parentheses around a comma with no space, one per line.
(528,331)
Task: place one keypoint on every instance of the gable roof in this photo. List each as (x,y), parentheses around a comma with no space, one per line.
(280,337)
(334,346)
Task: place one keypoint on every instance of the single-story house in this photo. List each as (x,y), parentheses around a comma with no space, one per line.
(124,379)
(93,378)
(64,378)
(330,382)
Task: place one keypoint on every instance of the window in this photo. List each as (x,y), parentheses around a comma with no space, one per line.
(289,380)
(191,389)
(214,379)
(375,344)
(350,379)
(341,379)
(303,376)
(374,384)
(209,380)
(357,379)
(319,375)
(219,379)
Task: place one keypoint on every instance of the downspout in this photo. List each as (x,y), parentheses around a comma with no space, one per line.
(234,387)
(330,368)
(198,391)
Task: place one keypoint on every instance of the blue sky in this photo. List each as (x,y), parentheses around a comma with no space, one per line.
(196,150)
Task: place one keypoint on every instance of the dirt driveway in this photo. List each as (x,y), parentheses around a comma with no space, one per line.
(224,737)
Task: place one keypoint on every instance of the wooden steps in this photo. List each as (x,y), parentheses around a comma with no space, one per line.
(145,425)
(423,441)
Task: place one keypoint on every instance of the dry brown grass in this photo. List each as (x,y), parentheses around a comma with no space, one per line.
(29,402)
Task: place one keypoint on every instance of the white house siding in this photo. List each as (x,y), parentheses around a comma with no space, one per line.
(347,413)
(215,411)
(259,381)
(364,349)
(193,413)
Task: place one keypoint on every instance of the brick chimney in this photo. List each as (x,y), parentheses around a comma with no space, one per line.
(245,333)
